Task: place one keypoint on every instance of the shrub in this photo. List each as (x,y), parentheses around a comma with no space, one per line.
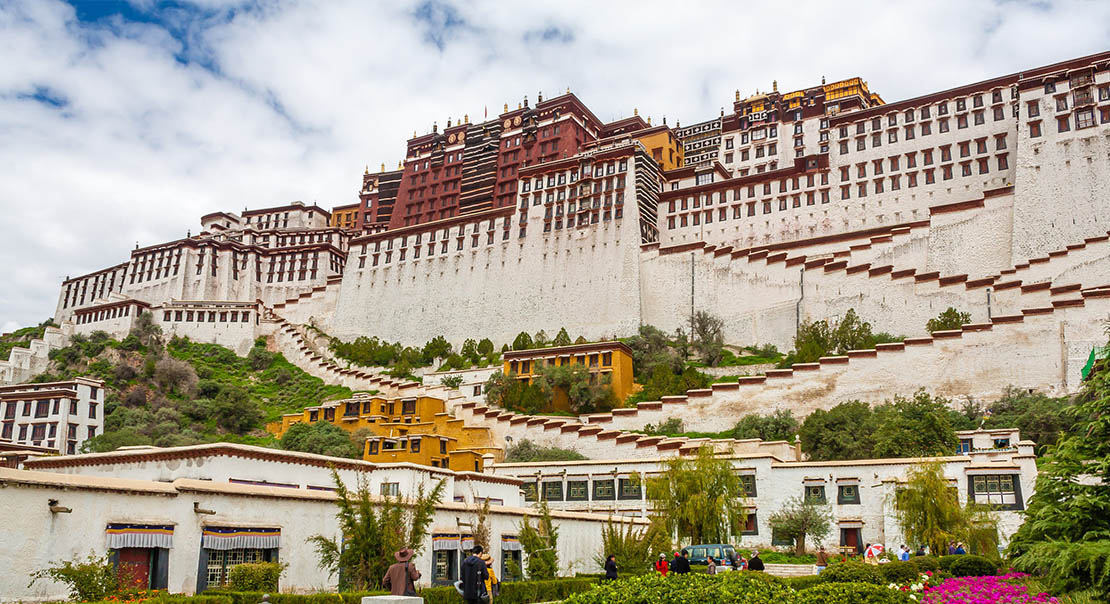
(970,565)
(91,579)
(946,562)
(174,375)
(519,592)
(256,576)
(899,572)
(852,572)
(926,563)
(850,593)
(734,588)
(802,582)
(260,358)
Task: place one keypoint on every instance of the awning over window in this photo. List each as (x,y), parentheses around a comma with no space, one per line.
(121,535)
(442,541)
(223,538)
(467,542)
(510,543)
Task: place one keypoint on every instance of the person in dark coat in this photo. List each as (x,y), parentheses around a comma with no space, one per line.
(474,575)
(755,563)
(681,564)
(611,568)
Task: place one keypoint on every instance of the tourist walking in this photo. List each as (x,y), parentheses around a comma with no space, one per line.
(822,559)
(661,565)
(611,568)
(960,549)
(493,585)
(473,578)
(711,565)
(920,550)
(400,579)
(951,548)
(681,564)
(755,563)
(904,554)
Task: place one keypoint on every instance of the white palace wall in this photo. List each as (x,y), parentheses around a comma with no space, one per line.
(584,279)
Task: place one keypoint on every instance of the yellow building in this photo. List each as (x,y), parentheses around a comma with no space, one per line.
(612,359)
(345,217)
(445,442)
(665,148)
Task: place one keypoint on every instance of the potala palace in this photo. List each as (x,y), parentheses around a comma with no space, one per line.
(992,197)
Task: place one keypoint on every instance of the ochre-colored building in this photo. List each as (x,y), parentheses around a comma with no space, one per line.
(665,148)
(392,424)
(346,217)
(603,359)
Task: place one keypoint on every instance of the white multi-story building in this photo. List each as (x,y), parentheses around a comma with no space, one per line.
(989,466)
(55,415)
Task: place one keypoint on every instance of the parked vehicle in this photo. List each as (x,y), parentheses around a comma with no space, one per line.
(723,553)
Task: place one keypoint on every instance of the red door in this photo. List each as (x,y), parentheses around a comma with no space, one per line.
(134,566)
(850,538)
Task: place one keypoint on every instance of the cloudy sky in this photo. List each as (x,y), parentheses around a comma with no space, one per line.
(123,122)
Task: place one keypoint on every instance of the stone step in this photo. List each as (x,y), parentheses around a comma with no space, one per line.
(790,570)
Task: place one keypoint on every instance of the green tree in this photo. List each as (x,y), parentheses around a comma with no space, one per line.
(709,341)
(700,499)
(780,425)
(635,548)
(913,427)
(234,411)
(562,338)
(146,331)
(540,339)
(651,347)
(452,381)
(843,432)
(523,341)
(1066,532)
(928,510)
(816,339)
(470,351)
(586,395)
(436,348)
(322,438)
(581,340)
(485,347)
(540,545)
(663,381)
(504,390)
(1040,418)
(949,319)
(371,532)
(800,518)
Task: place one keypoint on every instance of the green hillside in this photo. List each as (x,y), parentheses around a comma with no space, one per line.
(182,392)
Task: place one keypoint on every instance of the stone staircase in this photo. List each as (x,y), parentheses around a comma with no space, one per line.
(26,362)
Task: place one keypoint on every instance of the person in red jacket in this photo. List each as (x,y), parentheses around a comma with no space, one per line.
(661,565)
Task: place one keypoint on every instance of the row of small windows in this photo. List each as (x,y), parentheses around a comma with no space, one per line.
(1084,118)
(45,408)
(35,434)
(103,315)
(562,178)
(209,316)
(923,113)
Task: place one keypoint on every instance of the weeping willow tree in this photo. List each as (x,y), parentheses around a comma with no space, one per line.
(1066,533)
(928,511)
(700,499)
(373,528)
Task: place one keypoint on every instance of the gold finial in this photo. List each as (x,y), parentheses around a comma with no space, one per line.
(738,94)
(399,166)
(539,98)
(506,108)
(383,166)
(367,169)
(519,106)
(414,133)
(774,85)
(466,118)
(435,127)
(448,122)
(568,89)
(635,111)
(649,120)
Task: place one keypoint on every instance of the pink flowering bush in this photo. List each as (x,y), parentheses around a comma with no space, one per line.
(995,589)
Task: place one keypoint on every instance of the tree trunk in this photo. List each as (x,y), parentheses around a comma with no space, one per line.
(800,545)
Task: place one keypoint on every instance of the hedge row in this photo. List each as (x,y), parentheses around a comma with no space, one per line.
(524,592)
(737,588)
(255,597)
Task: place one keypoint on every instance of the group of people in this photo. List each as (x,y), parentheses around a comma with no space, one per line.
(478,583)
(680,564)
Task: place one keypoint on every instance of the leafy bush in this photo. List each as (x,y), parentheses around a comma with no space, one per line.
(899,572)
(255,597)
(852,572)
(946,562)
(926,563)
(970,565)
(518,592)
(92,579)
(780,425)
(322,438)
(802,582)
(816,339)
(734,588)
(949,319)
(256,576)
(850,593)
(452,381)
(526,450)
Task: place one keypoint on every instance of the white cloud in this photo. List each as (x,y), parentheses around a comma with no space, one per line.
(280,101)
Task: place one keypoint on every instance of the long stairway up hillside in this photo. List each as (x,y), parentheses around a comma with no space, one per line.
(23,363)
